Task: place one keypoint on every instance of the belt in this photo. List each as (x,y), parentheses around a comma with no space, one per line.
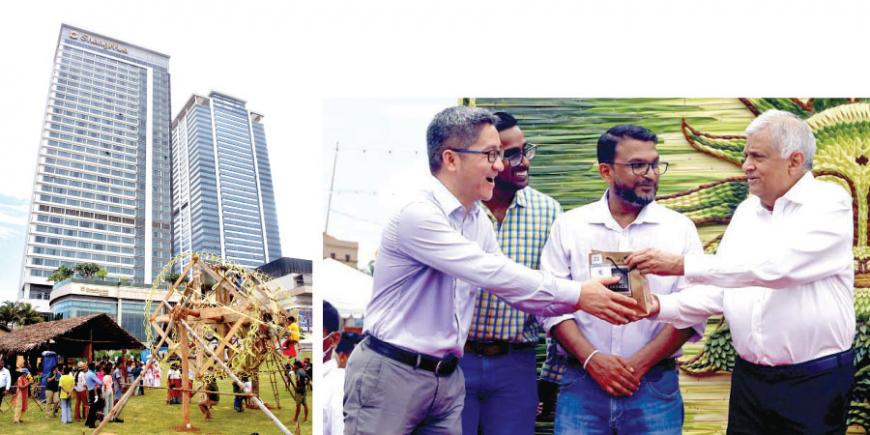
(495,348)
(440,366)
(807,368)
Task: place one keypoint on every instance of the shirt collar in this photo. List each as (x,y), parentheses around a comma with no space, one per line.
(799,193)
(521,199)
(653,213)
(445,199)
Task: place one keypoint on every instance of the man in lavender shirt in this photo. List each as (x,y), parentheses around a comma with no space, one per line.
(435,251)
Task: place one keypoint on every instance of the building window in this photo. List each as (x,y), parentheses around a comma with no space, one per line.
(332,254)
(347,257)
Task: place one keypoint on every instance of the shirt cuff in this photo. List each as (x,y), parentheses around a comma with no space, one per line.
(566,294)
(669,312)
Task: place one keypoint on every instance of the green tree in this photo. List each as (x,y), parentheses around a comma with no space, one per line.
(8,314)
(18,314)
(87,270)
(171,277)
(60,274)
(101,274)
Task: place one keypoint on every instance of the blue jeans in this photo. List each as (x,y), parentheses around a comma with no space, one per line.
(501,393)
(65,415)
(655,408)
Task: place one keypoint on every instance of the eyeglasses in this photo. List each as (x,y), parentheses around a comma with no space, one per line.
(514,156)
(642,168)
(492,155)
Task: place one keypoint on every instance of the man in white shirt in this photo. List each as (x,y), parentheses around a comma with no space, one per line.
(620,379)
(435,252)
(783,277)
(333,375)
(5,381)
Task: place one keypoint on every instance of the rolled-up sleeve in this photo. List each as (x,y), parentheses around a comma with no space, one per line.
(428,237)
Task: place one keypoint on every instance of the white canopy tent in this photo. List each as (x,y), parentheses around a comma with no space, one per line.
(346,288)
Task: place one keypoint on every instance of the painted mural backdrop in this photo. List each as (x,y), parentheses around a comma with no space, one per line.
(703,140)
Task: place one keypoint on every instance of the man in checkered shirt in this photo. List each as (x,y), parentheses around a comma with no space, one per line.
(499,362)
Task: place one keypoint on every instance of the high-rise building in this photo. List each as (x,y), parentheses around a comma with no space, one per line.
(223,201)
(102,187)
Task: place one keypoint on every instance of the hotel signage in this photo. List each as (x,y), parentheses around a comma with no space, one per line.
(84,37)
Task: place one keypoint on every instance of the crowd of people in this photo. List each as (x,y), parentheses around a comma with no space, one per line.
(86,392)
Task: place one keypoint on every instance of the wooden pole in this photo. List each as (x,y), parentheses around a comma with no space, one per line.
(232,376)
(185,378)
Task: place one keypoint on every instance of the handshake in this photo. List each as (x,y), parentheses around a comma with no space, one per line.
(602,302)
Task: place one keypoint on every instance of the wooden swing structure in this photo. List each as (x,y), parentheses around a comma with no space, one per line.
(232,305)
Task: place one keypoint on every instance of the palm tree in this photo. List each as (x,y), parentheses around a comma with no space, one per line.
(18,314)
(8,314)
(87,270)
(60,274)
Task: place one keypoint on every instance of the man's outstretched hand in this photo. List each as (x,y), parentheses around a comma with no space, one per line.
(655,262)
(610,306)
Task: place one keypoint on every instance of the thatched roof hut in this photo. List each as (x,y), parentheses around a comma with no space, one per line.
(69,336)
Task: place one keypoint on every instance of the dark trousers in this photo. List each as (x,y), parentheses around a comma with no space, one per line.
(2,392)
(806,398)
(95,403)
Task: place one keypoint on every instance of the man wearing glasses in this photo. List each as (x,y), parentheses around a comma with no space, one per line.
(783,277)
(499,360)
(620,379)
(435,252)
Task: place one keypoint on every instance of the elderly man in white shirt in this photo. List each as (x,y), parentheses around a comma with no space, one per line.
(620,379)
(784,279)
(435,252)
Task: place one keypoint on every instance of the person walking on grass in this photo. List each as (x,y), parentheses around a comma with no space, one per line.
(52,399)
(81,392)
(299,390)
(66,385)
(22,388)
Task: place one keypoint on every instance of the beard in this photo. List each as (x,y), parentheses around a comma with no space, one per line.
(628,194)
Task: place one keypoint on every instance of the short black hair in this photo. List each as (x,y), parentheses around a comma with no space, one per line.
(504,121)
(330,317)
(292,319)
(607,142)
(349,340)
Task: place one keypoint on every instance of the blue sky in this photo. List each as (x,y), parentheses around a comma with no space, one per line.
(13,220)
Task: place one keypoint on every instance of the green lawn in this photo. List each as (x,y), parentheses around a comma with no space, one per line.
(149,414)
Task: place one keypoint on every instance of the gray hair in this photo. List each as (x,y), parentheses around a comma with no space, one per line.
(454,127)
(788,132)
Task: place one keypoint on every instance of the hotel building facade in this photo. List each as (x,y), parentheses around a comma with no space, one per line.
(102,184)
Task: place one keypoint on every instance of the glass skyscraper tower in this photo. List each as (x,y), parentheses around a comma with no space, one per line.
(223,201)
(102,186)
